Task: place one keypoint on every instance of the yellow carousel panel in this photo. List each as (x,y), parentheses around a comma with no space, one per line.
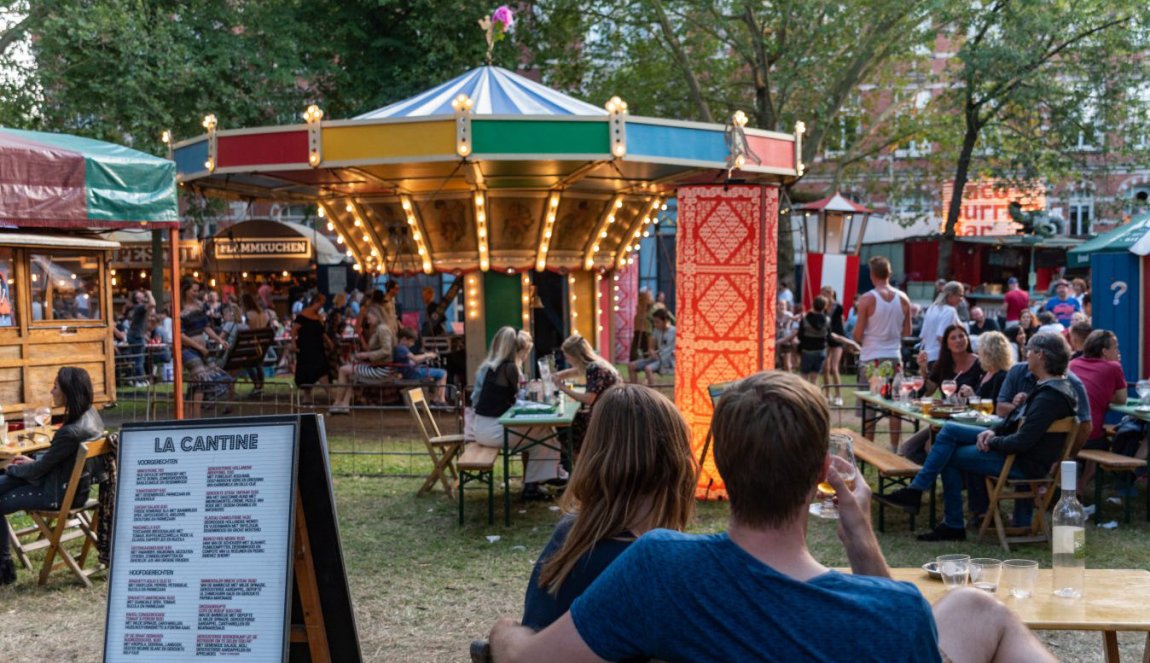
(379,142)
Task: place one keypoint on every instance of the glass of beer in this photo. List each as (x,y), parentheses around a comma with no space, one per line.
(843,459)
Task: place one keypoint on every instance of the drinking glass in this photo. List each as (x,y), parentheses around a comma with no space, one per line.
(1143,389)
(985,573)
(43,416)
(954,570)
(975,403)
(29,419)
(1019,575)
(917,381)
(904,389)
(843,459)
(948,388)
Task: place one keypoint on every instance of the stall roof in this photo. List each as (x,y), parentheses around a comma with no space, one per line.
(57,241)
(1130,236)
(53,180)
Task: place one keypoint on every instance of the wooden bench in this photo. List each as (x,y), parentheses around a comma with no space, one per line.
(477,463)
(249,349)
(1108,461)
(893,471)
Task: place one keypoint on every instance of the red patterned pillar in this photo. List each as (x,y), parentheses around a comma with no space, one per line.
(624,296)
(726,275)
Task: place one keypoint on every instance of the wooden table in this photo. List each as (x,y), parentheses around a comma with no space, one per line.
(520,425)
(911,413)
(41,439)
(1115,600)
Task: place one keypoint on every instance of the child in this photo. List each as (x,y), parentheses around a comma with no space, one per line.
(409,364)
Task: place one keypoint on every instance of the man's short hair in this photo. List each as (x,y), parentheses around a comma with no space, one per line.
(1097,341)
(770,431)
(407,332)
(1046,318)
(1081,329)
(879,266)
(1055,351)
(662,314)
(820,303)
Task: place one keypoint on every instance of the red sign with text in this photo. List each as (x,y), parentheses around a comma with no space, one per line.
(986,206)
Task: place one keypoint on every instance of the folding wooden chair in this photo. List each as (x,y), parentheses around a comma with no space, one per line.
(1041,491)
(443,449)
(55,528)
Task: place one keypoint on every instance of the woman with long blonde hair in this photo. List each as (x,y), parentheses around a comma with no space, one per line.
(598,374)
(499,378)
(636,473)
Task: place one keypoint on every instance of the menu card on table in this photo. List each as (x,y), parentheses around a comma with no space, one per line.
(202,541)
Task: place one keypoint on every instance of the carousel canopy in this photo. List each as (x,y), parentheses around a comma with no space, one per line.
(1131,236)
(487,171)
(59,181)
(493,91)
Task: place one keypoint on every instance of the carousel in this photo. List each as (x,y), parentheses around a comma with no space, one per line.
(55,279)
(537,200)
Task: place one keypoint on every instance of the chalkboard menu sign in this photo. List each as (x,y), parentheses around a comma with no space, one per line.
(203,541)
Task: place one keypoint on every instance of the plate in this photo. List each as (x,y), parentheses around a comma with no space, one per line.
(931,569)
(968,415)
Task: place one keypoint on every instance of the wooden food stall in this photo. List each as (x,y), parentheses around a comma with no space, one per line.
(55,282)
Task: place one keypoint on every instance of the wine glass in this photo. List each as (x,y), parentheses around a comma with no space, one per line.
(948,388)
(1143,389)
(843,459)
(904,389)
(917,381)
(43,416)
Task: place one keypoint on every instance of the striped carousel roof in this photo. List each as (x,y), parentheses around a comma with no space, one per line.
(493,91)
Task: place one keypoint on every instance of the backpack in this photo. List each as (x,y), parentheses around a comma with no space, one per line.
(810,331)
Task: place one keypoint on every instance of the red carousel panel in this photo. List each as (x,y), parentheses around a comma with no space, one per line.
(263,149)
(773,153)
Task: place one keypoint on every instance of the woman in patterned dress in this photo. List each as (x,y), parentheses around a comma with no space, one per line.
(598,374)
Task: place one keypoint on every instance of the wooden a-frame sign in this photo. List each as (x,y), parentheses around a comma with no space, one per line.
(226,543)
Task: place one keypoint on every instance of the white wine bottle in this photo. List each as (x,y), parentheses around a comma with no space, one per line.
(1069,525)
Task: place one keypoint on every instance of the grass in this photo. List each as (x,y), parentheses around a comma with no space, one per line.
(423,587)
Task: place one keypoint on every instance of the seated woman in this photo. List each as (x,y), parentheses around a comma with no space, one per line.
(498,377)
(995,359)
(40,483)
(955,362)
(599,376)
(636,474)
(365,367)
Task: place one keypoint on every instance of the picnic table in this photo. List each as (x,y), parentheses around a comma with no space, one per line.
(34,439)
(520,425)
(1114,600)
(1131,408)
(911,413)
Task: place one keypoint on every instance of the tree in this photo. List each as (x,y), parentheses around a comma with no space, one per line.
(1031,74)
(783,61)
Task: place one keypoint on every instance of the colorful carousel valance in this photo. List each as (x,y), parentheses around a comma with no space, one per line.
(487,171)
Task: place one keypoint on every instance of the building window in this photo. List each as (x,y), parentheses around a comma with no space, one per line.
(1080,212)
(65,286)
(7,289)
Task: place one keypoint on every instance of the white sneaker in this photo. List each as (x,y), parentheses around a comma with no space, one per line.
(838,401)
(1089,510)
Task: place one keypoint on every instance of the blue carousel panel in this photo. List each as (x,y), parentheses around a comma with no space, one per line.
(669,142)
(191,158)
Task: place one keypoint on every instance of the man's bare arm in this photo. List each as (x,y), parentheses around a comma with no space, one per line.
(906,314)
(558,643)
(863,315)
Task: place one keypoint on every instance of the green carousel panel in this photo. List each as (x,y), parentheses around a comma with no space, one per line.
(503,304)
(540,137)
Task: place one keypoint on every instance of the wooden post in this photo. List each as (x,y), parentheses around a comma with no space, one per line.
(177,360)
(312,631)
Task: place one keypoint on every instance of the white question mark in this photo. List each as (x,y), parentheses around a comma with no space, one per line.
(1119,288)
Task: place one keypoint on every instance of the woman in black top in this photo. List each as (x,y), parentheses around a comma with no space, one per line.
(834,345)
(499,386)
(307,335)
(40,482)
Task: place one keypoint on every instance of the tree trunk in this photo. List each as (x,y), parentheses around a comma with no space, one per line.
(961,174)
(786,247)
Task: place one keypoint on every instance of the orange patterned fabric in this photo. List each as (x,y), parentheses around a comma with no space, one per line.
(727,258)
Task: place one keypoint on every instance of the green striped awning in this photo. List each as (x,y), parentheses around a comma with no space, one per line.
(52,180)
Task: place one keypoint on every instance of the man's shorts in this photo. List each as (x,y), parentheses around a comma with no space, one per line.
(427,372)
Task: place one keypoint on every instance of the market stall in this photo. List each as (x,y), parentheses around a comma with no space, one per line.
(55,281)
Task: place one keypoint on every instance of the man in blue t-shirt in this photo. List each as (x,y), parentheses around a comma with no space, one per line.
(1062,305)
(755,593)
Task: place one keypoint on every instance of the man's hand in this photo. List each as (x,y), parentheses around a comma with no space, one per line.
(19,460)
(983,440)
(1018,399)
(854,528)
(923,362)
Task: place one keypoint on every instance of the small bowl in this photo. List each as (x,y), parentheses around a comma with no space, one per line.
(931,569)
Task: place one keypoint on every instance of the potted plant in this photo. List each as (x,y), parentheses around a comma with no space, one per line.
(878,376)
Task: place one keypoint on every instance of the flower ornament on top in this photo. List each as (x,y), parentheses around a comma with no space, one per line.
(497,26)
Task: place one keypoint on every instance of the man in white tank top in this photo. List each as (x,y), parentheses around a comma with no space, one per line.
(883,319)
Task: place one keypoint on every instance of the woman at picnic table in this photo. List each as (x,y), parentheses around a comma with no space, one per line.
(956,361)
(635,474)
(499,376)
(40,482)
(598,374)
(366,367)
(1027,327)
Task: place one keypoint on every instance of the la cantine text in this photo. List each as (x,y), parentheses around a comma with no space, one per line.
(225,442)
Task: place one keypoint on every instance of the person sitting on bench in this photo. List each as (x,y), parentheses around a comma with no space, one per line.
(365,367)
(410,364)
(661,357)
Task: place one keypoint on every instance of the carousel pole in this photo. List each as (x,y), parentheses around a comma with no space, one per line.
(177,361)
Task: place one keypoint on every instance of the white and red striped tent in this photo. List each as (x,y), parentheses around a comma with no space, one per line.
(834,268)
